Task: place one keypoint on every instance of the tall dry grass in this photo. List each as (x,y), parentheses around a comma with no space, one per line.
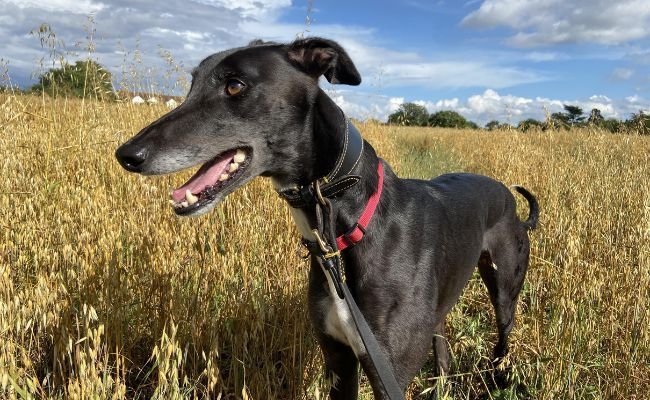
(105,294)
(582,329)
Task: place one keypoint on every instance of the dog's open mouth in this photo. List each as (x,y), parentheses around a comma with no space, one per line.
(213,176)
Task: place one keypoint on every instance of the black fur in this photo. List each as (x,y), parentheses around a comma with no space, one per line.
(425,239)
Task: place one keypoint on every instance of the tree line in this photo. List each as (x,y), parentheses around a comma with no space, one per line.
(411,114)
(87,78)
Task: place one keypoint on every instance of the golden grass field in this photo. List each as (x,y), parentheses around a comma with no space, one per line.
(105,294)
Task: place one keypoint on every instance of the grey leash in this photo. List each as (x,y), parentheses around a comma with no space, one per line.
(329,257)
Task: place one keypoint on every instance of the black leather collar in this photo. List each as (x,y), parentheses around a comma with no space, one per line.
(337,180)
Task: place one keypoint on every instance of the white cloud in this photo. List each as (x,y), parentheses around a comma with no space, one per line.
(82,7)
(489,105)
(548,22)
(622,74)
(364,105)
(541,56)
(259,10)
(455,74)
(445,104)
(394,103)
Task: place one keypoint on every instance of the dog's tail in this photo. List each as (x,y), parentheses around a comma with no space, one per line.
(533,215)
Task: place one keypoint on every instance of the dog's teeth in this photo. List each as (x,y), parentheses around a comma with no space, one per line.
(234,167)
(185,204)
(223,177)
(175,204)
(191,199)
(240,156)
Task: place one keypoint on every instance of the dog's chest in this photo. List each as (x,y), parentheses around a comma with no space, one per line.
(337,321)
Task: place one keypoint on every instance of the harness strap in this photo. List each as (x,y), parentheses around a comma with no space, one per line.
(357,232)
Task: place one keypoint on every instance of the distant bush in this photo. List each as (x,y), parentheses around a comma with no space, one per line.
(530,124)
(613,125)
(85,78)
(450,119)
(409,114)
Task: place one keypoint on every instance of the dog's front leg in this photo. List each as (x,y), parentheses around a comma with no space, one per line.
(341,364)
(341,369)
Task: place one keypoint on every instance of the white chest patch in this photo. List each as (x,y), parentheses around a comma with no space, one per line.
(338,321)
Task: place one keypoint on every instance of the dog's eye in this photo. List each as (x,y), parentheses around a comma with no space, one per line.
(233,87)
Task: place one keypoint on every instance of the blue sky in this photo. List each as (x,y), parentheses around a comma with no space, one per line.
(487,59)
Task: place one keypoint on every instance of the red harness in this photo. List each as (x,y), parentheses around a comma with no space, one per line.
(355,234)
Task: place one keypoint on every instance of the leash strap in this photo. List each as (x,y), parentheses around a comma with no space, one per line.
(382,367)
(330,262)
(329,257)
(327,249)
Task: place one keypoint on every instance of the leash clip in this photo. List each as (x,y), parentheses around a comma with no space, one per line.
(330,260)
(319,195)
(325,249)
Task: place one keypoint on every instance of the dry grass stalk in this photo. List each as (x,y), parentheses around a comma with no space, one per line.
(105,294)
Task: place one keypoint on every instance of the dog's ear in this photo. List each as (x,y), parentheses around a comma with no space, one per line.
(318,57)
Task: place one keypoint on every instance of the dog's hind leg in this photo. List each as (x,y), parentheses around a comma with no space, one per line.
(441,350)
(503,269)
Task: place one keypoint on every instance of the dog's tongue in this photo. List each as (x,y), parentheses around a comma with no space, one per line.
(207,175)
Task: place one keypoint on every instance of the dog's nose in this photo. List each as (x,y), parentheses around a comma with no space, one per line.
(131,157)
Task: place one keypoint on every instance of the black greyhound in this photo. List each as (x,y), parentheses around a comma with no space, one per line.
(258,110)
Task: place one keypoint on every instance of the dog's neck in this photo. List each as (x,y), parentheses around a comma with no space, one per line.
(327,128)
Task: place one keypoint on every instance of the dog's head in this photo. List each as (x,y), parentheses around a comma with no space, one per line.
(243,117)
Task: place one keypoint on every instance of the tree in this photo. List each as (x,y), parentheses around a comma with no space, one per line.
(573,114)
(613,125)
(83,79)
(409,114)
(558,120)
(472,125)
(639,123)
(492,125)
(529,124)
(595,117)
(448,119)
